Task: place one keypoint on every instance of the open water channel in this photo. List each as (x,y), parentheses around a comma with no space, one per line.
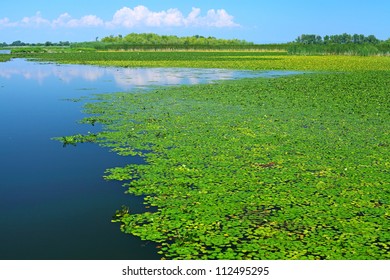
(54,203)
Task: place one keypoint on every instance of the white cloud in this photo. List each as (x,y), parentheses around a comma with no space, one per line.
(219,18)
(137,17)
(5,22)
(34,21)
(142,16)
(86,21)
(193,17)
(62,20)
(66,20)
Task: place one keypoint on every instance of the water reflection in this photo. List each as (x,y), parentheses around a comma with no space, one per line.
(124,78)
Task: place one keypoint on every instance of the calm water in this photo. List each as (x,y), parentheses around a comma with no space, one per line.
(54,203)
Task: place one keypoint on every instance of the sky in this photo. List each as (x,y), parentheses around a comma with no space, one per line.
(258,21)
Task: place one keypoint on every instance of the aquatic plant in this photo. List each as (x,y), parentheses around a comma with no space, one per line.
(5,57)
(77,138)
(287,168)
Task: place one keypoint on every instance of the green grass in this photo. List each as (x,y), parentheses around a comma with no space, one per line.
(287,168)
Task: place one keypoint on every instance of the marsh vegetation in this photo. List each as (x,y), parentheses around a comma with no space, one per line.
(292,167)
(287,168)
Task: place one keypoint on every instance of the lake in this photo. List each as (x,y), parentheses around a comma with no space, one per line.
(5,51)
(54,201)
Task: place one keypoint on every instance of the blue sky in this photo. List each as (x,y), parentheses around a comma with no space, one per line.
(270,21)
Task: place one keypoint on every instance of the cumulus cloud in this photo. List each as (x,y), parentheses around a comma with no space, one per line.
(213,18)
(219,18)
(66,20)
(35,21)
(62,20)
(142,16)
(126,17)
(5,22)
(86,21)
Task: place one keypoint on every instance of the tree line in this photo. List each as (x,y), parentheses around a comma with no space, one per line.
(306,44)
(338,39)
(344,44)
(19,43)
(155,39)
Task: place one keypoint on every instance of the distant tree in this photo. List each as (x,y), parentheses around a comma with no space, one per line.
(308,39)
(155,39)
(358,38)
(66,43)
(326,39)
(346,38)
(372,39)
(109,39)
(18,43)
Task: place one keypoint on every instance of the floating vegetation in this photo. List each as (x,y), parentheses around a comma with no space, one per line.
(288,168)
(75,100)
(93,120)
(5,57)
(76,139)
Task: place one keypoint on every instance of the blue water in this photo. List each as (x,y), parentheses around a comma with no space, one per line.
(54,203)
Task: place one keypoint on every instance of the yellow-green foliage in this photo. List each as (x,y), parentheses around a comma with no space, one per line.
(235,60)
(308,63)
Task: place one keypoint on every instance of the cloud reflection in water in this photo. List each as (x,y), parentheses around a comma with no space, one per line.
(123,78)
